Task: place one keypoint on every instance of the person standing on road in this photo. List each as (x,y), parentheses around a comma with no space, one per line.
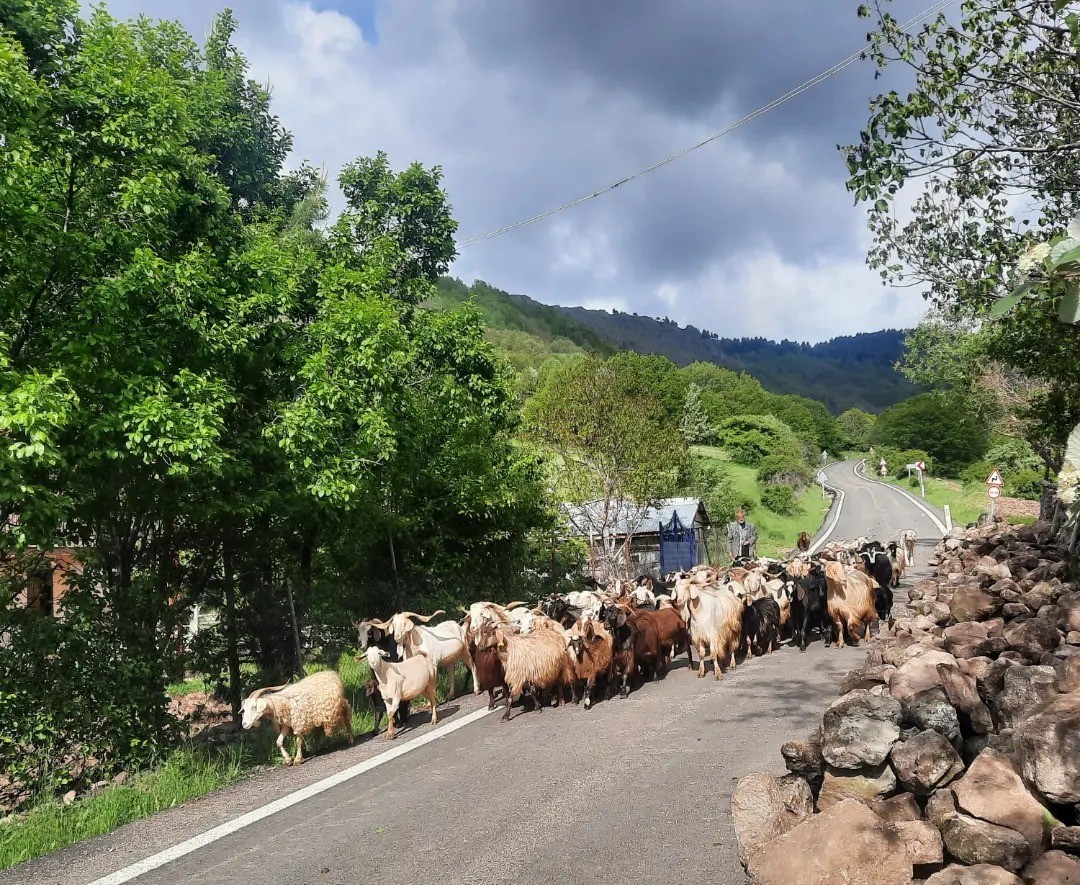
(742,537)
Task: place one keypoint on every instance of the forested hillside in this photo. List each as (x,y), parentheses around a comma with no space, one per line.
(854,371)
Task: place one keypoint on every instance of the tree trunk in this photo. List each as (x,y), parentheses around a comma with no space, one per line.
(232,651)
(295,630)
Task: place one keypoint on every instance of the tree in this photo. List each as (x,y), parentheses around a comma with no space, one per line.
(751,438)
(855,428)
(614,453)
(694,425)
(939,424)
(990,134)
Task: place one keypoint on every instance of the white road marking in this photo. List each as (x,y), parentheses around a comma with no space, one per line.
(864,475)
(148,864)
(832,525)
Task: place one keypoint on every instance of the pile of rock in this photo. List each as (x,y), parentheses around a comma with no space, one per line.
(953,756)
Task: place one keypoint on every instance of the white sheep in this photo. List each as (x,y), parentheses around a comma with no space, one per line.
(317,701)
(403,681)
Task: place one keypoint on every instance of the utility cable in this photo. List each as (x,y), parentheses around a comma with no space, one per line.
(764,109)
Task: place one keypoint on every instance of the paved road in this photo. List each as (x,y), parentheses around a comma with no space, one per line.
(635,790)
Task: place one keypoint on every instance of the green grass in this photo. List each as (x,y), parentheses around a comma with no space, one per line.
(189,686)
(188,772)
(776,533)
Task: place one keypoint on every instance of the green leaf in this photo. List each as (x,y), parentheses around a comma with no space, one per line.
(1069,308)
(1072,448)
(1004,305)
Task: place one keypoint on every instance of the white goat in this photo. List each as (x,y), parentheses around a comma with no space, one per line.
(907,540)
(445,643)
(403,681)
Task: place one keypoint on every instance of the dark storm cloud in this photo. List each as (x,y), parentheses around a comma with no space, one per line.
(527,105)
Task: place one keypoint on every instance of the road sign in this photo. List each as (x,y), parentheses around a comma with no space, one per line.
(993,491)
(920,466)
(995,479)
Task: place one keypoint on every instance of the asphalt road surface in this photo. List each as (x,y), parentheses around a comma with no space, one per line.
(632,791)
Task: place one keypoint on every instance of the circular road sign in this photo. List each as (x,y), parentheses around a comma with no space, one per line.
(993,491)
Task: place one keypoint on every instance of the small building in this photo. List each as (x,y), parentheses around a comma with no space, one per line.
(667,536)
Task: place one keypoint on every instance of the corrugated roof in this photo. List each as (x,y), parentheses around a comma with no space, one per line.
(650,520)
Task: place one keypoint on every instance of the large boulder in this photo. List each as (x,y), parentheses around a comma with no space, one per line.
(1043,593)
(897,808)
(804,758)
(962,640)
(846,845)
(925,762)
(1067,674)
(864,785)
(972,604)
(1032,637)
(763,807)
(859,729)
(991,789)
(921,840)
(918,673)
(979,874)
(974,841)
(1069,611)
(1065,838)
(931,709)
(963,694)
(1048,748)
(1023,689)
(1053,868)
(867,677)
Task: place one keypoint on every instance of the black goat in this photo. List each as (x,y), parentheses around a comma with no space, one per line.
(761,626)
(809,606)
(559,609)
(374,696)
(369,634)
(875,562)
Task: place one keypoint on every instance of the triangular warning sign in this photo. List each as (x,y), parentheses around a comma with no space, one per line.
(995,479)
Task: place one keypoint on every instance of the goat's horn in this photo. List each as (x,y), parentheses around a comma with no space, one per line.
(462,608)
(382,625)
(260,691)
(517,603)
(423,619)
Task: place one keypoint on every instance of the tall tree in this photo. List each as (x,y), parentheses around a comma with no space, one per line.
(615,454)
(989,139)
(694,425)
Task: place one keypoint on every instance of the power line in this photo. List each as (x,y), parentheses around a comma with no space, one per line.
(764,109)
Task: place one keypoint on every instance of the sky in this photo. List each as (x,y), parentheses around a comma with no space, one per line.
(527,104)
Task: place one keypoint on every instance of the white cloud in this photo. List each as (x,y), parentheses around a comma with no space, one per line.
(753,234)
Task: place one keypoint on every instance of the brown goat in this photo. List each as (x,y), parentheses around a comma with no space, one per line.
(804,541)
(489,671)
(537,662)
(672,631)
(850,601)
(590,647)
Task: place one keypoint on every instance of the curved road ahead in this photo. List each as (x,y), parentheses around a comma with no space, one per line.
(634,790)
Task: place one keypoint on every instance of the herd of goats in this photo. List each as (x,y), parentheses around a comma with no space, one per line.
(601,636)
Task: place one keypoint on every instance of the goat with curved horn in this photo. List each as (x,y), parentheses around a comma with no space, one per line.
(259,692)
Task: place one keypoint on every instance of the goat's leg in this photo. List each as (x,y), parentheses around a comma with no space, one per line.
(299,758)
(506,712)
(378,716)
(453,682)
(434,701)
(281,746)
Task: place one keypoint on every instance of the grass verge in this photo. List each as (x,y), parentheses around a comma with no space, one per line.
(188,772)
(776,532)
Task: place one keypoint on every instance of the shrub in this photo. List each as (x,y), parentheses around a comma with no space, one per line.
(751,438)
(76,704)
(1024,484)
(780,498)
(942,423)
(1013,455)
(782,469)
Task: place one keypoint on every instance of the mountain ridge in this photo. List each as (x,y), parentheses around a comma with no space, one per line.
(844,372)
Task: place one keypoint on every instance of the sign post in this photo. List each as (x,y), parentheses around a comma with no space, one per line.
(994,482)
(920,467)
(821,479)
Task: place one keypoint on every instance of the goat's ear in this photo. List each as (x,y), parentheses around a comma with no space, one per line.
(407,626)
(621,619)
(260,705)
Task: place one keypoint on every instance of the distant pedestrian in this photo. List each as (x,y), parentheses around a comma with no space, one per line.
(742,538)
